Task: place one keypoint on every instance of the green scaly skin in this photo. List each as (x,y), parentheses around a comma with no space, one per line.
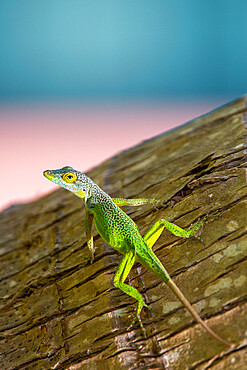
(121,233)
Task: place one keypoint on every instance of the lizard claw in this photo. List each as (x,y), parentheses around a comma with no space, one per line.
(138,318)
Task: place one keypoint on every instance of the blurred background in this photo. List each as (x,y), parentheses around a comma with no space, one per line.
(82,80)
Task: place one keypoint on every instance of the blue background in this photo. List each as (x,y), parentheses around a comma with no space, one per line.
(125,49)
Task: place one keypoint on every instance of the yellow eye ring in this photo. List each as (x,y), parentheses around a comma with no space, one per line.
(69,177)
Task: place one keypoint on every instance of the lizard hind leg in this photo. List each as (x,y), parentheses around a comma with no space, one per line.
(121,274)
(155,231)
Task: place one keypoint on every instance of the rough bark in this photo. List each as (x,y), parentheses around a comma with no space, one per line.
(63,312)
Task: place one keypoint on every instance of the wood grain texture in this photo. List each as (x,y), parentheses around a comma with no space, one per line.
(59,311)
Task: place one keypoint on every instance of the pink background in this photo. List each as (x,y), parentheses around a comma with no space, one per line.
(48,136)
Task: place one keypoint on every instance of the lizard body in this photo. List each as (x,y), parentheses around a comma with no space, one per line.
(121,233)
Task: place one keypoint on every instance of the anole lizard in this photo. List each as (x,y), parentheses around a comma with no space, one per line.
(121,233)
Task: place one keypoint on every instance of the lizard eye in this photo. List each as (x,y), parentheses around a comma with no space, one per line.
(69,177)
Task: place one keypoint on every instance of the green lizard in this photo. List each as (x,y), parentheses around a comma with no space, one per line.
(121,233)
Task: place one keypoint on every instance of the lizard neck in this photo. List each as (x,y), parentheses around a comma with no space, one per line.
(95,195)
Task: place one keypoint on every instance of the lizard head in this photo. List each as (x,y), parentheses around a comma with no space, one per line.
(70,179)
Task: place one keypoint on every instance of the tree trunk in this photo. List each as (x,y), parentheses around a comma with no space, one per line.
(59,311)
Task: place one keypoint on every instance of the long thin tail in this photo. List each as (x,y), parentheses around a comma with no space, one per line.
(187,304)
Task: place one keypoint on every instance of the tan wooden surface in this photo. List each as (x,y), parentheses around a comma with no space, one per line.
(63,312)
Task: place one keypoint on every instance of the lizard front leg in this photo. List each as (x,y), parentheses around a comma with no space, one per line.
(136,202)
(88,228)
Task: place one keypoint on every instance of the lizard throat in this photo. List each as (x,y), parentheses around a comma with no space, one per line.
(81,193)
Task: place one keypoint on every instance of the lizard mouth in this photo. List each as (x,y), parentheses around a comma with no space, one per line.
(48,174)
